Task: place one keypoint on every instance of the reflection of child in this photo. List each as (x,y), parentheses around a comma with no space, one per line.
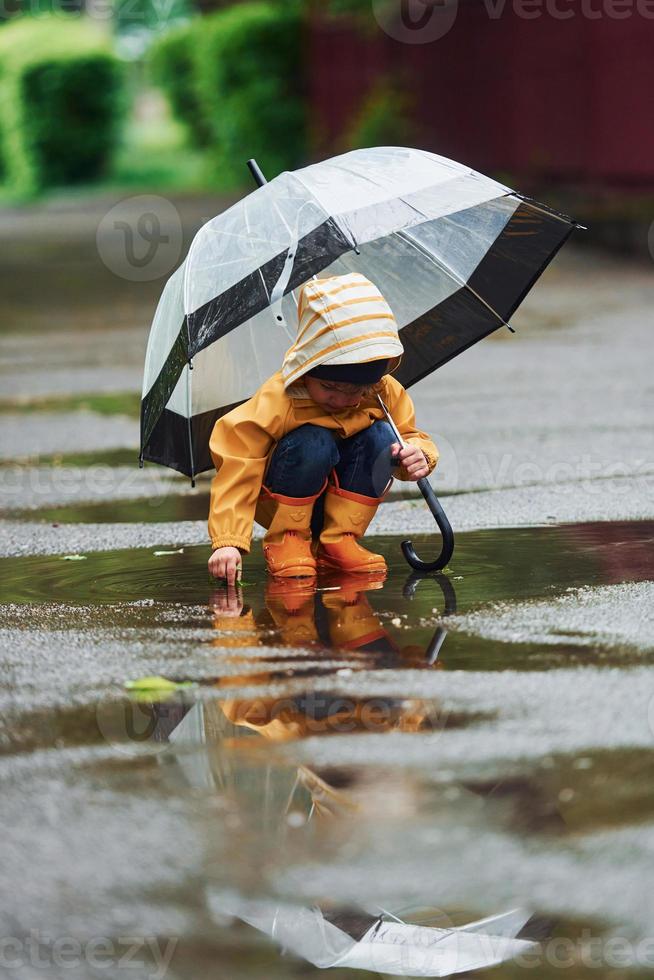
(310,454)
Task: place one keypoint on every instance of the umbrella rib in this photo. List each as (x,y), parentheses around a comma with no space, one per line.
(547,211)
(355,173)
(406,236)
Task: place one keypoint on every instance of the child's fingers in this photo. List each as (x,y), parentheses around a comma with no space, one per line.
(225,563)
(409,455)
(416,465)
(403,454)
(233,568)
(412,459)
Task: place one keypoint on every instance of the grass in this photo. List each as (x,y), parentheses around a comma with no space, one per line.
(158,157)
(108,457)
(109,403)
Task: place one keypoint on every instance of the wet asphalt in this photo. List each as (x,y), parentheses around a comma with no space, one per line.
(489,746)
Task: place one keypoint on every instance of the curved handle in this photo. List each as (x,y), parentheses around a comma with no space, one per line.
(447,547)
(446,586)
(449,595)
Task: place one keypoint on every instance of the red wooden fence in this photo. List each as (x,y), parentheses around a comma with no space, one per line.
(568,98)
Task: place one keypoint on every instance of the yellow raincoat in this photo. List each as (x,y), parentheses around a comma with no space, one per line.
(341,319)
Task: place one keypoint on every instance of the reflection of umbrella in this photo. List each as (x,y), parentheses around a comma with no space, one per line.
(397,947)
(330,938)
(453,252)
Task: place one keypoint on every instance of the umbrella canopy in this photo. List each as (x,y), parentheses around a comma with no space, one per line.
(453,252)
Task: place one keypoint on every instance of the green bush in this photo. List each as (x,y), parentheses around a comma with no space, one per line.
(171,64)
(249,78)
(385,118)
(61,102)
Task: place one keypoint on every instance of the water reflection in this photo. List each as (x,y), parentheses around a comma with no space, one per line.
(336,616)
(264,809)
(449,595)
(267,801)
(383,942)
(309,838)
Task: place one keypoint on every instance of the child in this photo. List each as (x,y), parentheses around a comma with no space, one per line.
(310,455)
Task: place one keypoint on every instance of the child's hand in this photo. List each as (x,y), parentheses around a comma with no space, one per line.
(226,563)
(227,602)
(412,459)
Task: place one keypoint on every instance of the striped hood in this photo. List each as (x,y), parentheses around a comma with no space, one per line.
(341,320)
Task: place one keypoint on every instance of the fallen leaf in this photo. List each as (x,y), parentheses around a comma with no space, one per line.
(155,683)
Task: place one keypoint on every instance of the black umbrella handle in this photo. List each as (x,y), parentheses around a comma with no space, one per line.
(257,172)
(447,547)
(433,503)
(449,595)
(444,583)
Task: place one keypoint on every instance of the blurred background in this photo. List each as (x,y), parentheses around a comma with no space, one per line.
(553,96)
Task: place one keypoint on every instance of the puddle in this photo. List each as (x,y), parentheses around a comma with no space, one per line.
(344,760)
(208,824)
(488,566)
(108,457)
(402,615)
(187,506)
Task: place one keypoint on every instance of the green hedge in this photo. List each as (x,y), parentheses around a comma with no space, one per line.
(236,79)
(61,102)
(171,64)
(250,80)
(384,118)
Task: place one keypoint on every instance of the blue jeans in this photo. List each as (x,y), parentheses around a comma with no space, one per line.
(304,458)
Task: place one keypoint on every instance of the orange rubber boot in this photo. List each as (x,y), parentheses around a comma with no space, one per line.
(347,516)
(287,542)
(352,623)
(291,606)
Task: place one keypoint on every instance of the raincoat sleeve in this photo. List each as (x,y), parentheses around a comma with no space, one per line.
(240,444)
(404,415)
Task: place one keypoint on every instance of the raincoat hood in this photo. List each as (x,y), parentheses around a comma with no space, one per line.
(341,320)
